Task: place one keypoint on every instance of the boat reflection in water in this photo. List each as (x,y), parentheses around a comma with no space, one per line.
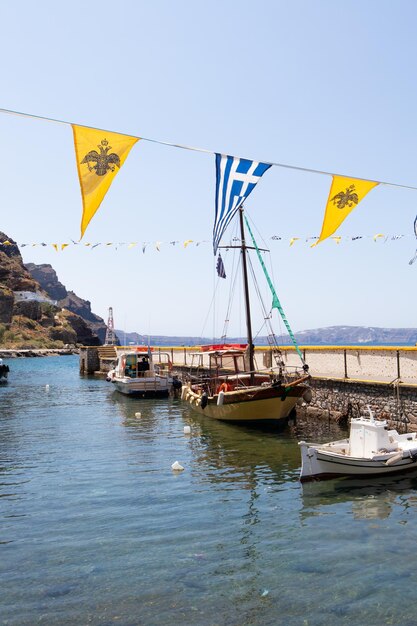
(370,497)
(231,452)
(145,416)
(261,462)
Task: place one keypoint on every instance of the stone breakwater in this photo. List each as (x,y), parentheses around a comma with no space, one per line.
(13,354)
(340,400)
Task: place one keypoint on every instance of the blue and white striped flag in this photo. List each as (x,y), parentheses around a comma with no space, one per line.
(235,179)
(220,267)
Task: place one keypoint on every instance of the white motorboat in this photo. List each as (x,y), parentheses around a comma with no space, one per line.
(371,450)
(137,374)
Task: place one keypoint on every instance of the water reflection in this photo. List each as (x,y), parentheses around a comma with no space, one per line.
(228,453)
(142,414)
(370,498)
(103,532)
(258,458)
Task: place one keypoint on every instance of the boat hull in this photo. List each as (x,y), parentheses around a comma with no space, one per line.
(317,464)
(256,405)
(143,387)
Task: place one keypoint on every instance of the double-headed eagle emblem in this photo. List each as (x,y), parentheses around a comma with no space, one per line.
(103,161)
(346,198)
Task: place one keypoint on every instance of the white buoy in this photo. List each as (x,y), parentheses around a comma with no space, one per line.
(46,387)
(176,467)
(187,430)
(138,414)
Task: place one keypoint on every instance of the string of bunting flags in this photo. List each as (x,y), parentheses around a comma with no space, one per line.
(100,154)
(144,246)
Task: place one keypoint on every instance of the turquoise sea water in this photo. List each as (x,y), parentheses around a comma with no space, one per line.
(95,528)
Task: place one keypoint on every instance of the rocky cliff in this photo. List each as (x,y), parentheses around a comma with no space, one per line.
(13,277)
(46,276)
(31,315)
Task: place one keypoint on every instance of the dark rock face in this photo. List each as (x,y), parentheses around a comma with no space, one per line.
(12,271)
(10,248)
(85,335)
(64,334)
(30,309)
(48,280)
(13,274)
(46,276)
(48,315)
(81,307)
(6,305)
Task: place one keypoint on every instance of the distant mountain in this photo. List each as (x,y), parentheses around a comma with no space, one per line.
(332,335)
(357,335)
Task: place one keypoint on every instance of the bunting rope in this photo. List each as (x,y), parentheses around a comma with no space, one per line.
(146,245)
(195,149)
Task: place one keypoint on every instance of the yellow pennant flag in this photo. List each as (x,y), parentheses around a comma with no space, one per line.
(345,194)
(100,154)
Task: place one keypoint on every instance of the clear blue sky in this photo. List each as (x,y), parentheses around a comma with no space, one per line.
(325,85)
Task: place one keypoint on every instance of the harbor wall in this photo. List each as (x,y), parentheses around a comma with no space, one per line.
(345,379)
(342,399)
(89,360)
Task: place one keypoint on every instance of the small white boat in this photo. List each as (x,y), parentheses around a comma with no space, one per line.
(371,450)
(137,374)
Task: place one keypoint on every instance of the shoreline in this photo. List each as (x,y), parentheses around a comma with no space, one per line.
(15,353)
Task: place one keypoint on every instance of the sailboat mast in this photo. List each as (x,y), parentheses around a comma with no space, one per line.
(246,292)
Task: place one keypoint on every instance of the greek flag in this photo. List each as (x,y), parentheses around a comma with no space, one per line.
(235,179)
(220,267)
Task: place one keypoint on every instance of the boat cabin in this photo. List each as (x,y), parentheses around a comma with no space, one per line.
(142,364)
(134,364)
(227,361)
(218,368)
(217,362)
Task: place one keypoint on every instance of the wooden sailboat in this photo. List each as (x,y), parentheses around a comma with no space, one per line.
(230,388)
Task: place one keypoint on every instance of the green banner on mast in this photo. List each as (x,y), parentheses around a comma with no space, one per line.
(275,300)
